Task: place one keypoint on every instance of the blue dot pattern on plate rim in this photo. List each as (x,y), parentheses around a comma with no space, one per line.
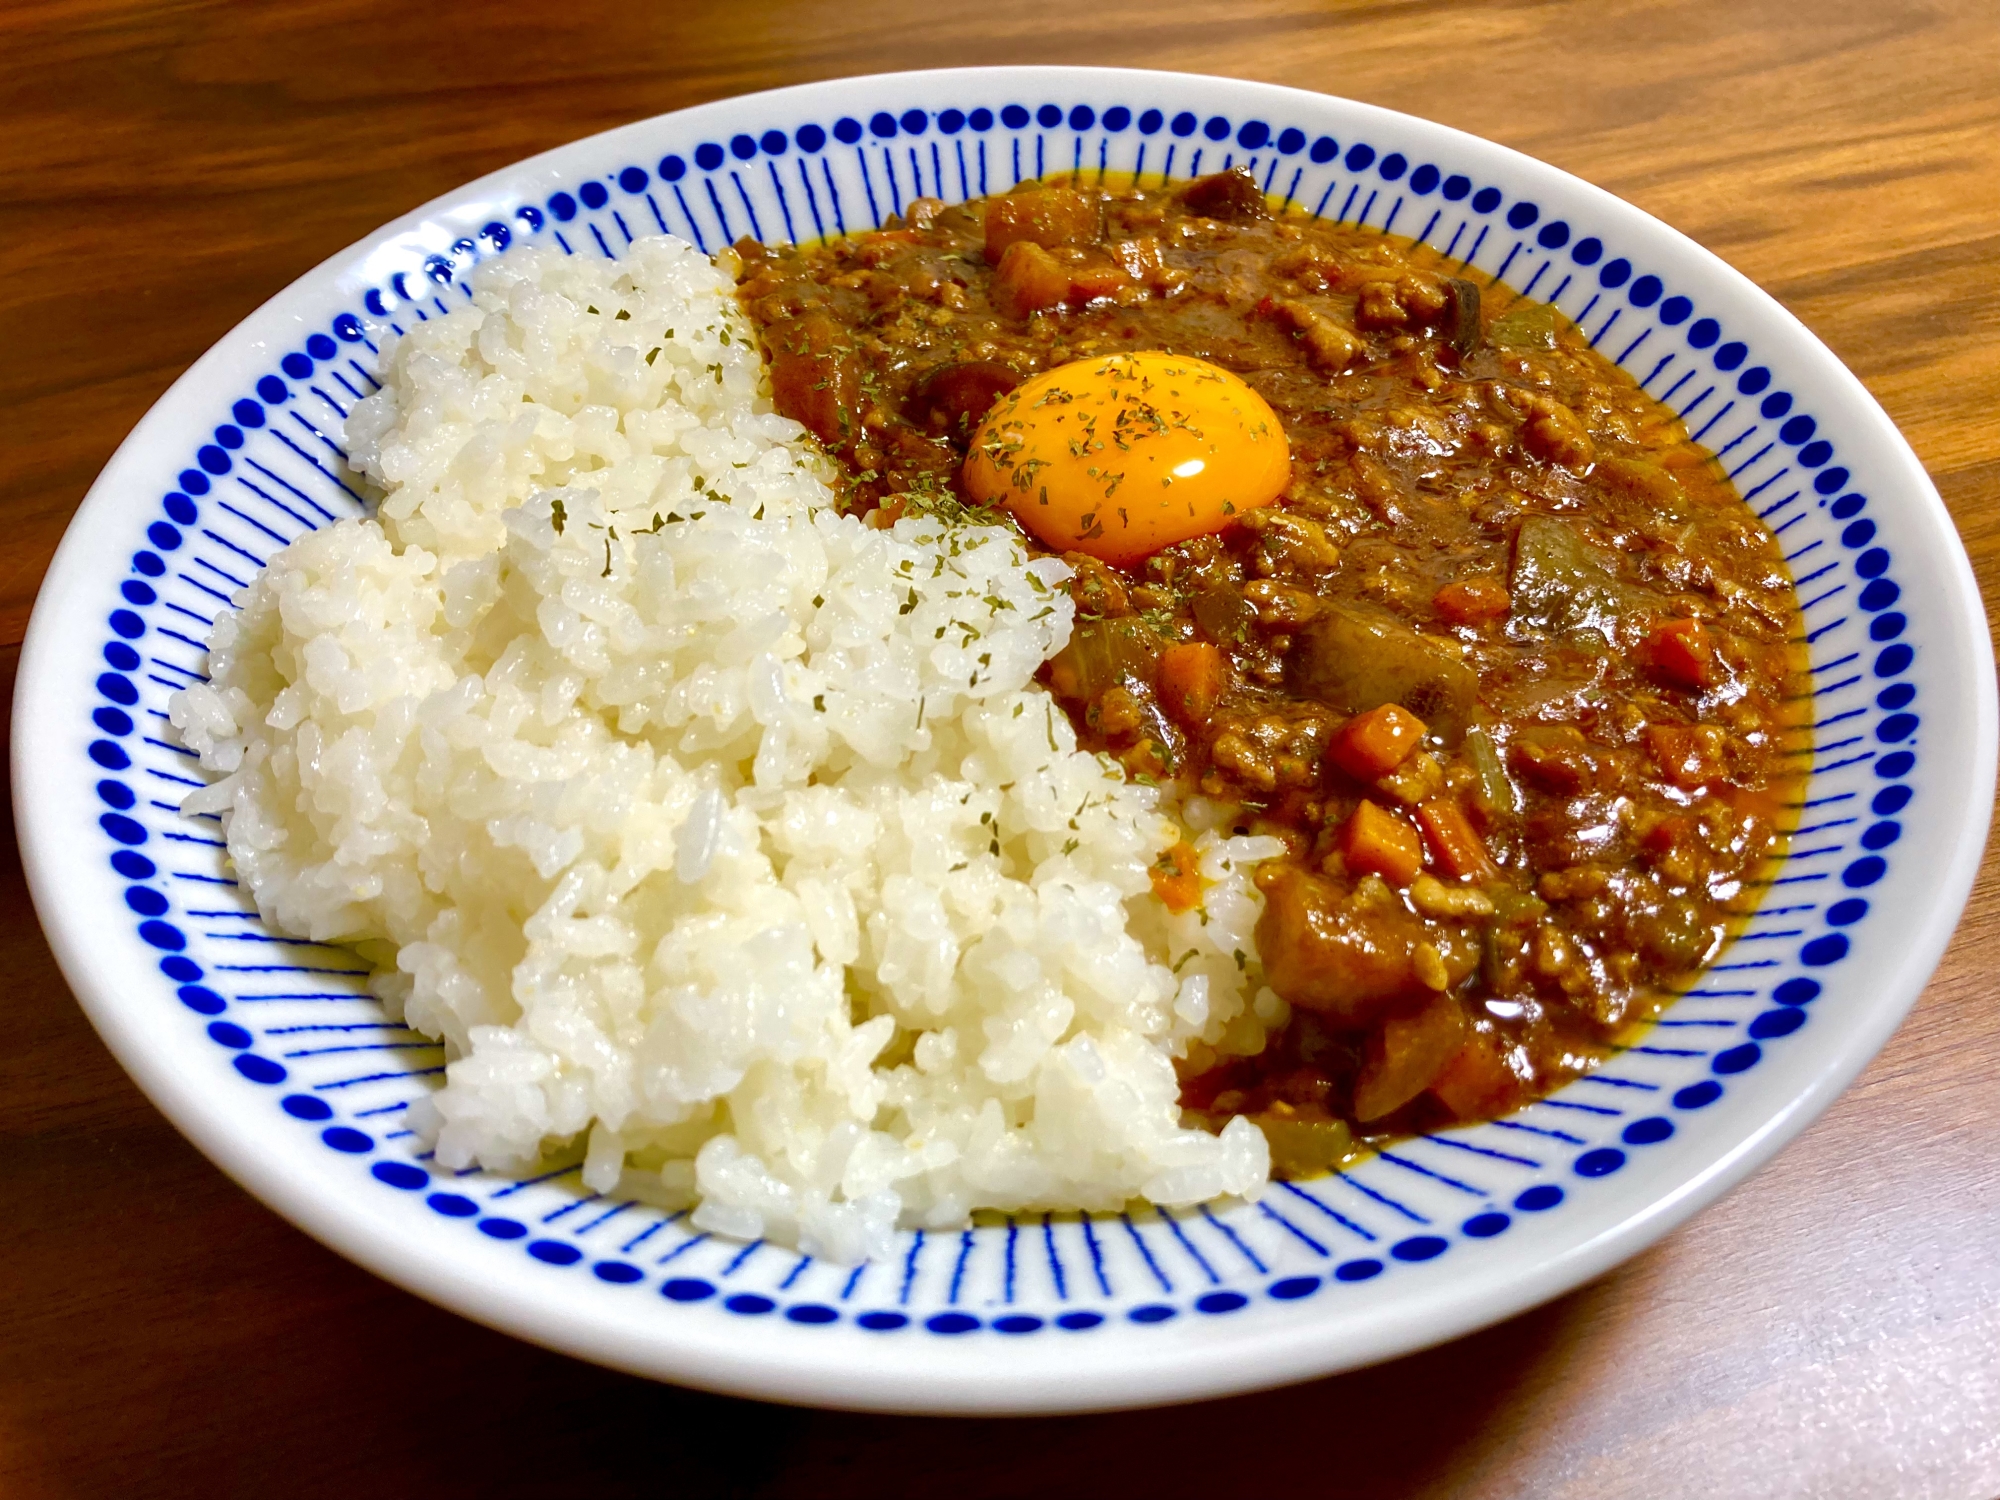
(271,467)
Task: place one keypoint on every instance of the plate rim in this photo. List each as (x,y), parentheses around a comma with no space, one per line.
(1258,1358)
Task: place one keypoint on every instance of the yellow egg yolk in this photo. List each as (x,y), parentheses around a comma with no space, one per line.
(1123,455)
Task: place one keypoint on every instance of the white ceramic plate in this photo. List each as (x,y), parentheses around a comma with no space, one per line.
(269,1056)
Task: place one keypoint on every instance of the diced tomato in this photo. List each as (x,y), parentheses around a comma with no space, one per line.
(1371,745)
(1555,757)
(1666,834)
(1376,842)
(1682,652)
(1472,601)
(1456,847)
(1678,750)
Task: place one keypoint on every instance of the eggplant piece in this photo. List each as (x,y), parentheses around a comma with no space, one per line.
(1353,660)
(816,377)
(1526,325)
(1461,316)
(1223,614)
(1227,195)
(953,398)
(1104,654)
(1556,758)
(1562,585)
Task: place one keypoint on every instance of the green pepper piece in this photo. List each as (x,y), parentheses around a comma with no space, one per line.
(1526,325)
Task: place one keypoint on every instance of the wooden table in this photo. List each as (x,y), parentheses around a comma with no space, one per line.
(1832,1329)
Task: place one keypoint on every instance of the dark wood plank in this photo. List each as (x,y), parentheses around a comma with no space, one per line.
(1833,1328)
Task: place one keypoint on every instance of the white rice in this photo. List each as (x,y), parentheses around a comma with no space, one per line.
(722,838)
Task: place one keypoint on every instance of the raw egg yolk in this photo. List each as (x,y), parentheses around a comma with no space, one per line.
(1123,455)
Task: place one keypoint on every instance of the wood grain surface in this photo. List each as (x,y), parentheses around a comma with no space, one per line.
(1831,1330)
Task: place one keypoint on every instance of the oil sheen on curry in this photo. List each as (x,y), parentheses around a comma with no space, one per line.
(1389,563)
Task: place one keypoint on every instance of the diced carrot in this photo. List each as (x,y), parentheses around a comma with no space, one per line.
(1192,677)
(1372,744)
(1477,1084)
(1030,280)
(1682,652)
(1456,847)
(1472,601)
(1177,878)
(1678,750)
(1380,843)
(1406,1055)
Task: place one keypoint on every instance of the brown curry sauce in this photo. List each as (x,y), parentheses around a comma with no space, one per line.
(1510,668)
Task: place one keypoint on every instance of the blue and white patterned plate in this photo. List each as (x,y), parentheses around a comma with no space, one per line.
(270,1056)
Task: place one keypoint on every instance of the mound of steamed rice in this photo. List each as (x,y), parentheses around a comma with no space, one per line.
(722,838)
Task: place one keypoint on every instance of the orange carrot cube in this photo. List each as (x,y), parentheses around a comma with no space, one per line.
(1177,878)
(1376,842)
(1372,744)
(1192,677)
(1478,1084)
(1456,847)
